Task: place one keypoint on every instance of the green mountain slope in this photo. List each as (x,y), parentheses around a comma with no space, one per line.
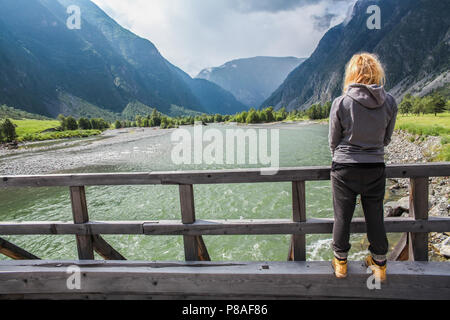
(102,64)
(413,43)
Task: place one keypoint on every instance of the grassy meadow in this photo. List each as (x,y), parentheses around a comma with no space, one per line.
(32,130)
(429,125)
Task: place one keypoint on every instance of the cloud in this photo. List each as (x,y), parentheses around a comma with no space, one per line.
(195,34)
(323,22)
(277,5)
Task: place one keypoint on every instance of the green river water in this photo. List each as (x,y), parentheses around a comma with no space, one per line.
(300,145)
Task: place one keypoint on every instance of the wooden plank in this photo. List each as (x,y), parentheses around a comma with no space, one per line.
(203,254)
(418,209)
(218,227)
(212,176)
(80,215)
(194,246)
(233,280)
(401,249)
(14,252)
(187,203)
(297,249)
(104,249)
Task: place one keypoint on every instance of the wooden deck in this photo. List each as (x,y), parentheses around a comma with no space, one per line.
(218,280)
(28,277)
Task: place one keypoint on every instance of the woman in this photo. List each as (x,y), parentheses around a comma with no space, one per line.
(361,124)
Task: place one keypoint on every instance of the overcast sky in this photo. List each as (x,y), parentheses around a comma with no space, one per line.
(196,34)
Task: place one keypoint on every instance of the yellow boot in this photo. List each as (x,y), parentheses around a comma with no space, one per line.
(339,267)
(378,271)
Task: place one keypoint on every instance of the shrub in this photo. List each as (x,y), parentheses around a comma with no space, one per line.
(8,130)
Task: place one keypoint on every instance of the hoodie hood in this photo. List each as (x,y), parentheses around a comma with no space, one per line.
(370,96)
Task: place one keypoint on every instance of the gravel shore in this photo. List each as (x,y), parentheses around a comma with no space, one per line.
(58,155)
(407,148)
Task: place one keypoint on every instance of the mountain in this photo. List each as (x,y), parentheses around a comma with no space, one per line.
(251,80)
(210,94)
(413,44)
(102,65)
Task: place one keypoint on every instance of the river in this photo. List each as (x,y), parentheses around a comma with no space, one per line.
(300,145)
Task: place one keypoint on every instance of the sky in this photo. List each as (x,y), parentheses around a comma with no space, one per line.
(198,34)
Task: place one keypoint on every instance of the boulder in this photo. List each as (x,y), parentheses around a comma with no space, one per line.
(397,208)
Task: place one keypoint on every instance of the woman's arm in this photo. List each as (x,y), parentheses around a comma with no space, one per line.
(335,130)
(391,125)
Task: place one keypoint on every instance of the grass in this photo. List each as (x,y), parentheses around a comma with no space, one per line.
(32,130)
(59,135)
(429,125)
(28,126)
(426,125)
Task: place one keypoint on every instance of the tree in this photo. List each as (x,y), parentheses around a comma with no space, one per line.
(63,121)
(252,117)
(418,106)
(313,112)
(117,124)
(326,109)
(218,118)
(71,123)
(438,104)
(84,124)
(138,120)
(8,130)
(406,106)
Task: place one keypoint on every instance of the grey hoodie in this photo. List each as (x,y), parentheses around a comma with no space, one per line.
(361,124)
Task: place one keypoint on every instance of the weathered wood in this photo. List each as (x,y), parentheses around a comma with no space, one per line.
(194,246)
(418,208)
(212,176)
(104,249)
(401,249)
(14,252)
(297,250)
(202,252)
(233,280)
(218,227)
(187,203)
(80,215)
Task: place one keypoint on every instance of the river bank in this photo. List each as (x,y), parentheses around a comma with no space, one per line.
(65,154)
(409,148)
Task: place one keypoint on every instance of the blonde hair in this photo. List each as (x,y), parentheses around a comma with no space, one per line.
(364,68)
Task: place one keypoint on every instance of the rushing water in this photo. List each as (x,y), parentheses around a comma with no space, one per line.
(300,145)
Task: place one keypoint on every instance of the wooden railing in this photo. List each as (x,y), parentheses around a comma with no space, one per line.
(198,277)
(88,233)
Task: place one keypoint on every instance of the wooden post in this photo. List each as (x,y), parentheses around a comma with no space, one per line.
(194,246)
(104,249)
(80,215)
(14,252)
(418,209)
(297,250)
(401,249)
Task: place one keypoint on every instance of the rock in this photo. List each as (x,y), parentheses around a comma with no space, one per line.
(444,248)
(397,208)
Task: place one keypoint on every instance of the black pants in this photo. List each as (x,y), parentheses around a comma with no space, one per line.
(370,183)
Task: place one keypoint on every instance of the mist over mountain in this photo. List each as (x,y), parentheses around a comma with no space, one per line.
(251,80)
(101,65)
(413,44)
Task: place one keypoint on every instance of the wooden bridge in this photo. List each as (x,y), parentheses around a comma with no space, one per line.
(26,276)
